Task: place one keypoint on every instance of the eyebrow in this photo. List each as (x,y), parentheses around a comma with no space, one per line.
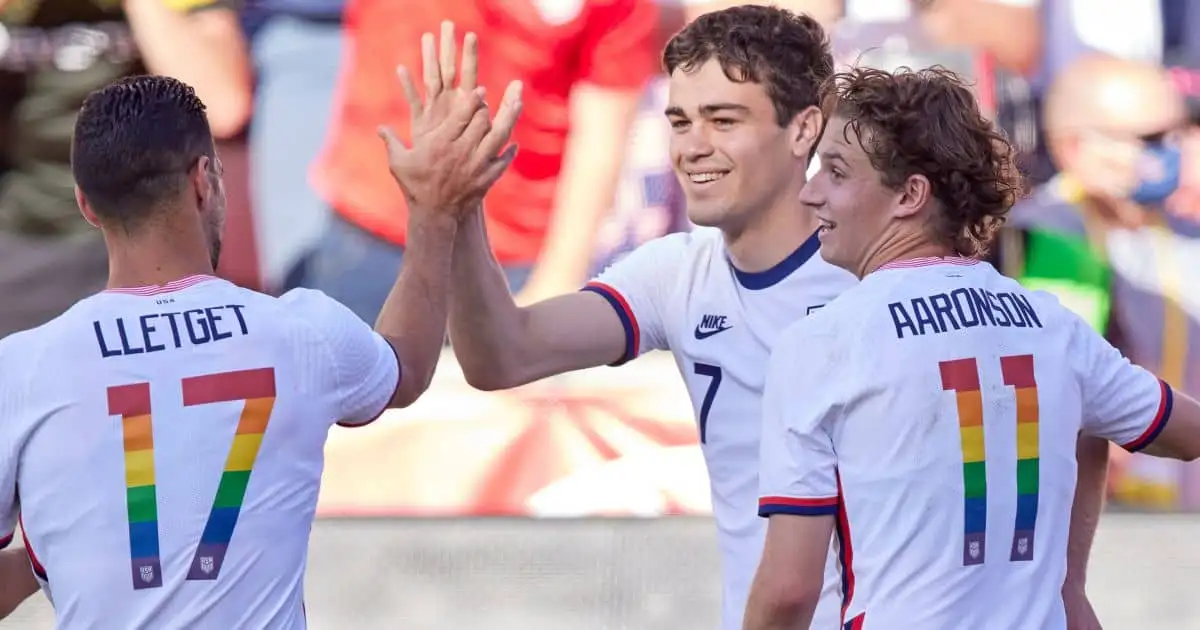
(831,156)
(709,109)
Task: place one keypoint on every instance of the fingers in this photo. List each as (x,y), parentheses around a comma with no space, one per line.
(448,57)
(463,111)
(505,120)
(470,63)
(479,126)
(497,167)
(432,74)
(395,148)
(411,95)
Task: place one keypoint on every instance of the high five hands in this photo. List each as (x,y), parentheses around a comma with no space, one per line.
(456,153)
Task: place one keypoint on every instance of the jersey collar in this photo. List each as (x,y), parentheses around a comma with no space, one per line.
(170,287)
(758,280)
(928,261)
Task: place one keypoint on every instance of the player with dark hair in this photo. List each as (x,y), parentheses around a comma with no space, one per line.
(165,436)
(932,412)
(744,109)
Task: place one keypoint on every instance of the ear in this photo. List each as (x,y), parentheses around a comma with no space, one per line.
(201,182)
(805,130)
(915,193)
(85,208)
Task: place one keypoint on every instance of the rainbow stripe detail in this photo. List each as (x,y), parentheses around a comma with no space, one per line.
(962,377)
(257,388)
(1018,374)
(132,403)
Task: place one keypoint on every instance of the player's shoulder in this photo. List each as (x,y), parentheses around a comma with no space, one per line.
(668,255)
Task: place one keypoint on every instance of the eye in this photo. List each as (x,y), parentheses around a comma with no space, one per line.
(723,123)
(679,124)
(836,174)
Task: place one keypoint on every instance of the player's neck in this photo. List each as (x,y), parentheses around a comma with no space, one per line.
(901,247)
(770,238)
(151,259)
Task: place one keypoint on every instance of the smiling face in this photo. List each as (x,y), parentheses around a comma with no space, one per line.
(854,206)
(731,156)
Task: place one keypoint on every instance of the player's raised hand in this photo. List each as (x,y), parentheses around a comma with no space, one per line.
(457,153)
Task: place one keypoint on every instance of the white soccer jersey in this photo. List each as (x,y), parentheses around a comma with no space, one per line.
(680,293)
(166,445)
(934,410)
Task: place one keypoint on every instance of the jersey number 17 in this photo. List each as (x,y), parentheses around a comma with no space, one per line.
(132,403)
(962,377)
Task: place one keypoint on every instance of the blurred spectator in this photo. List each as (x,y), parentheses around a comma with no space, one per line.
(1030,41)
(583,64)
(55,53)
(297,51)
(1099,234)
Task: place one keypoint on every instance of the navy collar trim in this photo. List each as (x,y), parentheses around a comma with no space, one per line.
(758,280)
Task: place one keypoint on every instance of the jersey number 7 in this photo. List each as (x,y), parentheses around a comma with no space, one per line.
(132,404)
(962,377)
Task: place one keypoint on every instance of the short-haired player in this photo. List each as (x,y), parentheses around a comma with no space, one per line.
(162,441)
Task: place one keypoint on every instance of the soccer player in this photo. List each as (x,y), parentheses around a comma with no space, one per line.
(931,413)
(162,441)
(743,107)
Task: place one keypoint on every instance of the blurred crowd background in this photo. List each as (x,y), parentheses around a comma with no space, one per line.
(1101,98)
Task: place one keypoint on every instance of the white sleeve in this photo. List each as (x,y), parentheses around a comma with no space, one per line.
(798,466)
(12,391)
(364,370)
(1122,402)
(638,287)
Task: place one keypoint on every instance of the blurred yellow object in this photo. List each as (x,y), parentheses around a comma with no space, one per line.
(1134,492)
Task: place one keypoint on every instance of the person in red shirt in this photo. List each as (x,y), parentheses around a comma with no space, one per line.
(583,64)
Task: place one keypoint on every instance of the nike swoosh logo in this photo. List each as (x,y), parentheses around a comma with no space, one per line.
(705,334)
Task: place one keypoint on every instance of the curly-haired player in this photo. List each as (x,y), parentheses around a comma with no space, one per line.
(931,413)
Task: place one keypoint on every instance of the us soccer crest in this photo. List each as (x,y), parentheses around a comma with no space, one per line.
(973,548)
(206,564)
(1022,546)
(146,573)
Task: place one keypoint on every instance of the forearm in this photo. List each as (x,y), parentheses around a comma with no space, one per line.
(600,125)
(16,580)
(204,50)
(766,615)
(413,317)
(1092,456)
(486,325)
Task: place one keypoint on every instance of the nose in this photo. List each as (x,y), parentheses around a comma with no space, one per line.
(693,145)
(812,194)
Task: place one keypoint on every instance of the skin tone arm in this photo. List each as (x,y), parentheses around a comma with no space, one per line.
(1180,438)
(500,345)
(788,583)
(1092,457)
(16,580)
(600,123)
(205,49)
(454,159)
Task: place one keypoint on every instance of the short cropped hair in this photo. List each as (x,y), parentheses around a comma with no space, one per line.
(135,142)
(928,122)
(788,54)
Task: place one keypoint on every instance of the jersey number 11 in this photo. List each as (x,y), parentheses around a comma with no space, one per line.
(132,404)
(962,377)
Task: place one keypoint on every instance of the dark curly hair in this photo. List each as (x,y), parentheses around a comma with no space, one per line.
(928,122)
(788,54)
(135,141)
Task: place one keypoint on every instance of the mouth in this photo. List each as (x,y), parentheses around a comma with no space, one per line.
(701,178)
(824,226)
